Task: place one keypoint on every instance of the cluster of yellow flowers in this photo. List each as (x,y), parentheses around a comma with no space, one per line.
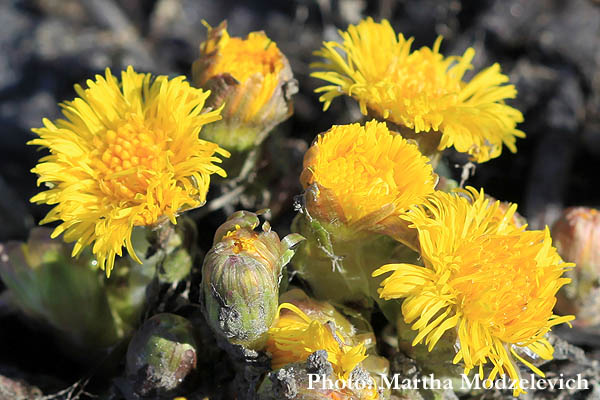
(130,152)
(492,283)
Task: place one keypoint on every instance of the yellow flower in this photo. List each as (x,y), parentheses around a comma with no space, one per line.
(255,63)
(254,58)
(490,281)
(240,278)
(422,89)
(244,241)
(253,82)
(364,174)
(294,336)
(127,154)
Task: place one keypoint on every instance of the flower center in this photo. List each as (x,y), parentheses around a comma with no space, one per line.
(496,281)
(245,57)
(240,242)
(243,244)
(126,158)
(357,163)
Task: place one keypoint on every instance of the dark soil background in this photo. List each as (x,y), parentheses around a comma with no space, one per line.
(549,48)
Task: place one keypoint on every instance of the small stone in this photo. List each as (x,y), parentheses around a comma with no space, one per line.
(284,383)
(360,376)
(317,363)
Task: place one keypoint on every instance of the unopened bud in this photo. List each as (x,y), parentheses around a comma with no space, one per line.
(162,355)
(577,238)
(240,278)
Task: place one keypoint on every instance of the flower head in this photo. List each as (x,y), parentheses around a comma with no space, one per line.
(127,154)
(493,283)
(250,77)
(360,175)
(422,89)
(254,58)
(294,336)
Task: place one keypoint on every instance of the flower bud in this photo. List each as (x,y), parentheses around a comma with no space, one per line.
(240,278)
(17,389)
(577,238)
(251,79)
(507,208)
(162,356)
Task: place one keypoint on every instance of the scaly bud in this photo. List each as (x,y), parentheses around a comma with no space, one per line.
(577,238)
(162,355)
(505,207)
(240,278)
(323,312)
(353,329)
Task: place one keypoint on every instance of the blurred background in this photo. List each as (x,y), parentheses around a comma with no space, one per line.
(549,48)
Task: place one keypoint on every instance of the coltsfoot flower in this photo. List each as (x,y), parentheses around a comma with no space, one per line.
(127,154)
(421,89)
(577,236)
(358,181)
(504,207)
(363,176)
(294,336)
(329,339)
(251,78)
(240,278)
(491,282)
(325,312)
